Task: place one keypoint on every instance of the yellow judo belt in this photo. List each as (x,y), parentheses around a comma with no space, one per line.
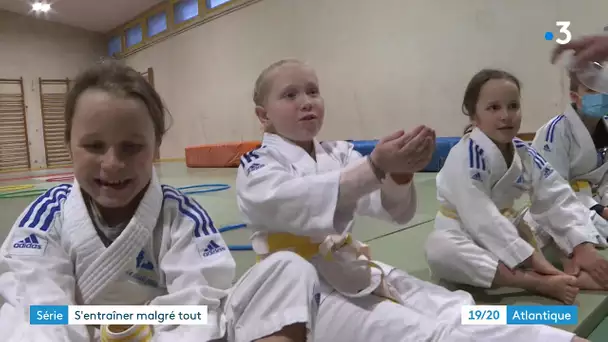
(525,232)
(301,245)
(579,185)
(304,247)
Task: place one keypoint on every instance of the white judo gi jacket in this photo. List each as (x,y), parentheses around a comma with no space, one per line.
(478,186)
(568,146)
(169,254)
(291,202)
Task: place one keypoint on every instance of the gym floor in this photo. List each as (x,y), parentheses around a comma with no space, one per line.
(398,246)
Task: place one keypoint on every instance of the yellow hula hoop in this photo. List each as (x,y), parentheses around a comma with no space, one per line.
(11,188)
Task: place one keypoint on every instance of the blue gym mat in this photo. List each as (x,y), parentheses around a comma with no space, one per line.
(443,145)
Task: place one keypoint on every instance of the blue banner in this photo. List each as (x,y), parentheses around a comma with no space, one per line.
(49,314)
(542,314)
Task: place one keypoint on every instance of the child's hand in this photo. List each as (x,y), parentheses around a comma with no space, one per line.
(588,259)
(587,49)
(418,151)
(385,154)
(405,153)
(605,214)
(425,150)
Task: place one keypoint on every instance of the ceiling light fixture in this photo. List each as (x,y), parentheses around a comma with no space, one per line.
(41,7)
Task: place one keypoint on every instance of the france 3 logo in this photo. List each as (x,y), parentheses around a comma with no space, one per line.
(564,37)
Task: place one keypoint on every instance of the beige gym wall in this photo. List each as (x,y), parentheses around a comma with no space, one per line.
(383,65)
(32,48)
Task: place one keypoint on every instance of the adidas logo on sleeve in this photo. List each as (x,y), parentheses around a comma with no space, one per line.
(212,248)
(31,245)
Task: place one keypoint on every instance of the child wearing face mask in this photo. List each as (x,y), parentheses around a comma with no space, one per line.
(117,236)
(479,239)
(298,193)
(576,144)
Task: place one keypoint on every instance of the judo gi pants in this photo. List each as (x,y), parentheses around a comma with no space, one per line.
(285,289)
(281,290)
(454,256)
(431,313)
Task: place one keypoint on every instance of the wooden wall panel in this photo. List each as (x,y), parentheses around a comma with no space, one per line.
(14,147)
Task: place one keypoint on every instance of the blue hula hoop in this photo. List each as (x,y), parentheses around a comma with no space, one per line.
(240,248)
(187,190)
(206,188)
(232,227)
(235,227)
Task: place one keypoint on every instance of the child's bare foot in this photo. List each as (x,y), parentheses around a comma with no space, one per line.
(584,281)
(560,287)
(570,267)
(539,264)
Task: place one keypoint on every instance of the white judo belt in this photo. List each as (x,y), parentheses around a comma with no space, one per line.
(332,248)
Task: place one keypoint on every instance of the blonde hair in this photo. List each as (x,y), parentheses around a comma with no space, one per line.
(260,90)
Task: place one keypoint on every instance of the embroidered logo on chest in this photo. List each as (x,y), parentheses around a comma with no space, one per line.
(145,272)
(520,183)
(143,262)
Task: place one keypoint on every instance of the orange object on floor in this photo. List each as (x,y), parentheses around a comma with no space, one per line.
(219,155)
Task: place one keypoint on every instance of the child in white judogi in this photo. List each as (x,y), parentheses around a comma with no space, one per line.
(297,193)
(119,237)
(479,239)
(575,144)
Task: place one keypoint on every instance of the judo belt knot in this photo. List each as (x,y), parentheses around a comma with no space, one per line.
(333,243)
